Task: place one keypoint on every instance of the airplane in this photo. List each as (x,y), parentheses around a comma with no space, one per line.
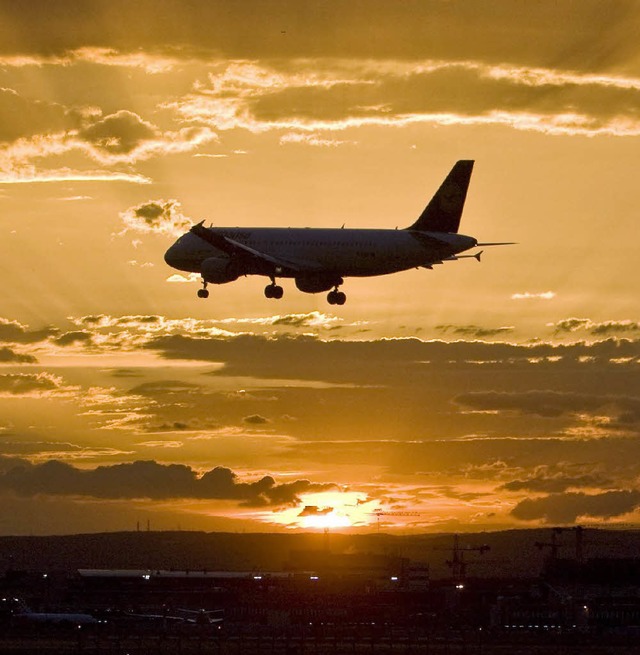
(20,612)
(319,259)
(183,616)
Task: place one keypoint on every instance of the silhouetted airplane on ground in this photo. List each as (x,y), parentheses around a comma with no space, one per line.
(21,614)
(320,258)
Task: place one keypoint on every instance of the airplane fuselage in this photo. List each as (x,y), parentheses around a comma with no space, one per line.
(343,252)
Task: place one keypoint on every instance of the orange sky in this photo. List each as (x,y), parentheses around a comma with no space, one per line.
(468,397)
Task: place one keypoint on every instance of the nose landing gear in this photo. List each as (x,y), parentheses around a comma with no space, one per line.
(336,297)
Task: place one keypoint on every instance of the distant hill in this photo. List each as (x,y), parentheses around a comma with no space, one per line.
(513,553)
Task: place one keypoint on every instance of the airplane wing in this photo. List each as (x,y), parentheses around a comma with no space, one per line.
(233,247)
(202,616)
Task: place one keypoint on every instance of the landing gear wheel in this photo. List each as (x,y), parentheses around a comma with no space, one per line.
(273,291)
(332,297)
(336,297)
(203,293)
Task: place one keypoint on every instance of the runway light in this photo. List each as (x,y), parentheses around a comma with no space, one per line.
(314,577)
(257,577)
(394,578)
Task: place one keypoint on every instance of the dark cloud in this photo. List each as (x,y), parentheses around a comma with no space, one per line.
(17,384)
(9,463)
(474,330)
(603,329)
(305,357)
(303,320)
(492,459)
(571,324)
(14,332)
(161,216)
(314,510)
(435,92)
(9,356)
(176,426)
(70,338)
(164,387)
(449,491)
(403,388)
(95,320)
(125,137)
(296,320)
(118,133)
(593,35)
(255,419)
(615,327)
(147,479)
(126,373)
(568,507)
(557,483)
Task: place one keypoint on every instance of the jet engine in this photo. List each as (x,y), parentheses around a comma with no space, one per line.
(318,283)
(219,270)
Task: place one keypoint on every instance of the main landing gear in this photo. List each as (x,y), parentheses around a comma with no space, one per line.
(273,290)
(204,292)
(336,297)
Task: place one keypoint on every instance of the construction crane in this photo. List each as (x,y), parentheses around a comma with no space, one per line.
(457,563)
(552,545)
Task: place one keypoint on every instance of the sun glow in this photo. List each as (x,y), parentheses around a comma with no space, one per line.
(334,519)
(328,510)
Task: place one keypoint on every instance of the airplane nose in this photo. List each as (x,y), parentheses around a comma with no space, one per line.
(171,257)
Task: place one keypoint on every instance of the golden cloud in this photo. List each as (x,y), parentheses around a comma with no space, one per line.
(158,216)
(309,97)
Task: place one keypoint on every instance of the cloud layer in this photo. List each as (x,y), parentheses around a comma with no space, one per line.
(147,480)
(312,73)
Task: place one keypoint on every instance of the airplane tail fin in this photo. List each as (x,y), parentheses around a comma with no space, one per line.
(443,212)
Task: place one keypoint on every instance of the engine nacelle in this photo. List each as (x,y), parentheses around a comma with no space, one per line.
(219,270)
(318,283)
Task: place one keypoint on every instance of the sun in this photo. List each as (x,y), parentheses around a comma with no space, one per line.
(333,519)
(328,510)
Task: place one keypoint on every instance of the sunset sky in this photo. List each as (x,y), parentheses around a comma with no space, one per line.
(470,397)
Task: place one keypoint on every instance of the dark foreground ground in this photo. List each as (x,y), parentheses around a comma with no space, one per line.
(576,592)
(513,553)
(289,645)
